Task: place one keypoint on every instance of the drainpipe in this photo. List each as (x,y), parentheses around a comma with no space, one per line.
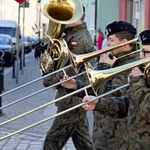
(95,27)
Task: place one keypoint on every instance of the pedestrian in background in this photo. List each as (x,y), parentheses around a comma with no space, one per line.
(100,38)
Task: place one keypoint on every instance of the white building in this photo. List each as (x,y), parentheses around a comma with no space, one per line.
(9,10)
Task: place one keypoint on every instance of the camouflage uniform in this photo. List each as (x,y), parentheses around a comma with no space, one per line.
(107,132)
(137,135)
(74,123)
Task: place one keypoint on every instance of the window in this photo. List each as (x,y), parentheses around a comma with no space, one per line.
(135,13)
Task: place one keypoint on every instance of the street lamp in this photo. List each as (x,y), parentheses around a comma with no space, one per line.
(39,3)
(95,22)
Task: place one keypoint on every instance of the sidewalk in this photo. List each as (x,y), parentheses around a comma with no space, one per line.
(26,141)
(31,139)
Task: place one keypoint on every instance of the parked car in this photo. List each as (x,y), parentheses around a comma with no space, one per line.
(27,44)
(35,41)
(8,48)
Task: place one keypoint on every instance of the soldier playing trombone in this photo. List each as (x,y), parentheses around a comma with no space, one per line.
(135,107)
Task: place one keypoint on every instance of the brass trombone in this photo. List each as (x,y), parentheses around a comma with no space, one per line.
(23,98)
(96,78)
(78,61)
(129,54)
(42,90)
(53,36)
(56,115)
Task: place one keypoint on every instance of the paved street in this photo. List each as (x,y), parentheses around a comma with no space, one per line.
(30,139)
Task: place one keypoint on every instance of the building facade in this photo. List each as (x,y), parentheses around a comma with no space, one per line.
(99,13)
(136,12)
(29,16)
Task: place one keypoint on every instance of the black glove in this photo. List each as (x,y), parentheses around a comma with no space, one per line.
(39,49)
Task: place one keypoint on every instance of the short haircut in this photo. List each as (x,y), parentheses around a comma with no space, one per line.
(125,35)
(129,36)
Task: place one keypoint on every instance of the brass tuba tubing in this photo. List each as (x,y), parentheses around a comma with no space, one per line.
(61,113)
(59,14)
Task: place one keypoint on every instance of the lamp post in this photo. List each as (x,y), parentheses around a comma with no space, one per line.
(24,5)
(39,15)
(95,27)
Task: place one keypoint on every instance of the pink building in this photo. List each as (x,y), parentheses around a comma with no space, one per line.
(136,12)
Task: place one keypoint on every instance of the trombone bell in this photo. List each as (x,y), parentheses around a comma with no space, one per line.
(78,60)
(98,78)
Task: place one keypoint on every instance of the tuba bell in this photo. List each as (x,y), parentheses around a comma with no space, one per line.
(59,13)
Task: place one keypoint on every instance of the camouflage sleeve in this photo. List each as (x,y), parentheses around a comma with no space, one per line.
(117,103)
(102,66)
(84,46)
(140,95)
(56,77)
(113,107)
(52,79)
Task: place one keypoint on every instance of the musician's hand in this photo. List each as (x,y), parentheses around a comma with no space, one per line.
(135,72)
(106,59)
(39,49)
(70,84)
(89,105)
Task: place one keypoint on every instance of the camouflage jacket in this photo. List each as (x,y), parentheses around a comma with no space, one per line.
(137,134)
(79,42)
(108,127)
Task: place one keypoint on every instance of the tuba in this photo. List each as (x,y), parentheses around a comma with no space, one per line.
(59,13)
